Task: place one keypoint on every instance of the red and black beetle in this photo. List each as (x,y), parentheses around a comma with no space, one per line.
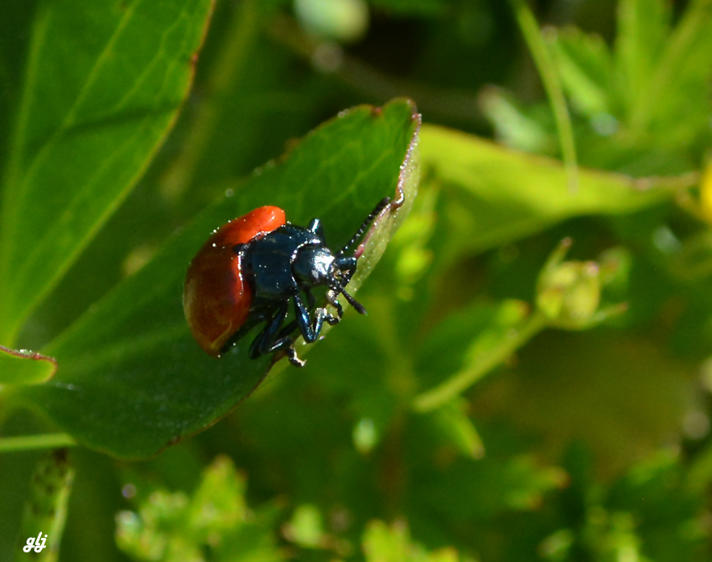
(252,267)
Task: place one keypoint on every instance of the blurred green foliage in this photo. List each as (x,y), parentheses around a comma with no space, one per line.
(533,379)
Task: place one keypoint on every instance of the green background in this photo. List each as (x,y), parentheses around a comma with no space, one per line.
(533,379)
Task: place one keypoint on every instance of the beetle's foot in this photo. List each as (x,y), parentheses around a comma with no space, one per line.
(323,315)
(294,358)
(332,300)
(330,318)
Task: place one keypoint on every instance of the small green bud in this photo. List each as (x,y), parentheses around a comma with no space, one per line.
(338,20)
(569,293)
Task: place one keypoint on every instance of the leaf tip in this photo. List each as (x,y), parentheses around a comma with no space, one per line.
(42,375)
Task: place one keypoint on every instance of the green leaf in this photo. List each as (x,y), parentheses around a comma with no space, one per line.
(496,195)
(458,429)
(131,378)
(214,521)
(383,543)
(643,26)
(306,527)
(25,367)
(584,63)
(681,81)
(468,344)
(101,88)
(517,126)
(218,504)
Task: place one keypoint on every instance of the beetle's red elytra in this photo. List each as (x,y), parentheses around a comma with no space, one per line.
(216,299)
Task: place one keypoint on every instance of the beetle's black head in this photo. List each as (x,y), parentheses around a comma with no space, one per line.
(316,265)
(313,265)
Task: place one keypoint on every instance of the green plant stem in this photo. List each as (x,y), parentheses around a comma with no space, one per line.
(40,441)
(550,79)
(443,393)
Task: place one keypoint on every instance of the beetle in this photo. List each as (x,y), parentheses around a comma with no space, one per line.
(249,270)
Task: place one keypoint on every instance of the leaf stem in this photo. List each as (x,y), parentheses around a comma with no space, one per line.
(39,441)
(550,79)
(439,395)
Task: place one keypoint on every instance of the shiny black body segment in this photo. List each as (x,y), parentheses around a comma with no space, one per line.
(283,266)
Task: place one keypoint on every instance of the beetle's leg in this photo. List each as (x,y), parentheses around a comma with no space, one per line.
(304,322)
(309,327)
(272,338)
(264,341)
(294,324)
(315,227)
(293,357)
(286,342)
(332,300)
(276,337)
(330,318)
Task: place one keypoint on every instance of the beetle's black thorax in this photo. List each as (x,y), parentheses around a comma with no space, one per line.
(267,262)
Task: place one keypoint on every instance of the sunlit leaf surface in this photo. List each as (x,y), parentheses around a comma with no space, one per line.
(131,379)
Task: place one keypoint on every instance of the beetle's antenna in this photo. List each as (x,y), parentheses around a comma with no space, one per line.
(353,302)
(361,229)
